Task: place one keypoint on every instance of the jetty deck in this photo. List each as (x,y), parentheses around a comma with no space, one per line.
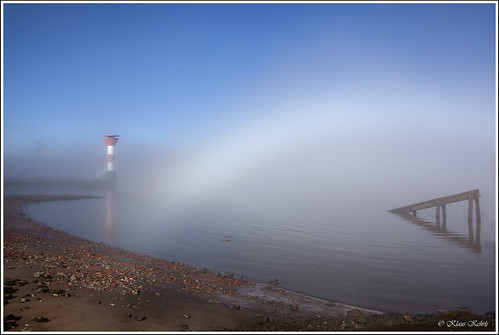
(439,203)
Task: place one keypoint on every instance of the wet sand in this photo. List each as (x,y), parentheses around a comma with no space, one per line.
(54,281)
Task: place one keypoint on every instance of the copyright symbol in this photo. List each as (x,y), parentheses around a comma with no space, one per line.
(441,323)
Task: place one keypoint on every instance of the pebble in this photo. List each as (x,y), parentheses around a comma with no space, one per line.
(41,319)
(9,290)
(10,317)
(187,316)
(354,313)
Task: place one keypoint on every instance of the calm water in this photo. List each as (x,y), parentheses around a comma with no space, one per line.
(357,255)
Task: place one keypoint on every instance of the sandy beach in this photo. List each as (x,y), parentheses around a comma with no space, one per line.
(54,281)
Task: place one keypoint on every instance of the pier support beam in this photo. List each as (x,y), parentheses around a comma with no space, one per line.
(470,209)
(478,221)
(477,209)
(438,206)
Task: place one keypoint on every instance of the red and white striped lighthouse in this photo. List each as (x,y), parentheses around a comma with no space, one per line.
(111,141)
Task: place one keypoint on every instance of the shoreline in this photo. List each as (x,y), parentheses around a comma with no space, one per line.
(80,285)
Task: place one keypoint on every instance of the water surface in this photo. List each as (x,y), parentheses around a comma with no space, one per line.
(360,255)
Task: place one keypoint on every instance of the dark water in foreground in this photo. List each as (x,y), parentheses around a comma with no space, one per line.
(369,257)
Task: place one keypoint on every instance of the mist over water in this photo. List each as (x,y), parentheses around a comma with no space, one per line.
(307,161)
(304,198)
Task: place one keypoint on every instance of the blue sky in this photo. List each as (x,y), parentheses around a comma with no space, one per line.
(254,80)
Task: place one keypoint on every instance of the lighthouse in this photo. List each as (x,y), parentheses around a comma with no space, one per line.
(110,175)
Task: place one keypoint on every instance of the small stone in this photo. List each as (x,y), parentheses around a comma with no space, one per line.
(158,294)
(112,304)
(98,302)
(23,300)
(236,307)
(407,318)
(10,282)
(58,291)
(9,290)
(10,317)
(73,277)
(294,307)
(354,313)
(187,316)
(41,319)
(22,282)
(140,318)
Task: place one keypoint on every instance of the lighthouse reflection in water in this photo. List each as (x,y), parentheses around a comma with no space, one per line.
(109,222)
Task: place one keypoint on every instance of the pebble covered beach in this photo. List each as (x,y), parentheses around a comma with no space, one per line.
(54,281)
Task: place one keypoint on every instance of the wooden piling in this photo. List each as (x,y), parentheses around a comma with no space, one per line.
(437,214)
(470,209)
(477,208)
(470,230)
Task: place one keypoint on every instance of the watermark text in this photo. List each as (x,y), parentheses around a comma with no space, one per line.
(458,323)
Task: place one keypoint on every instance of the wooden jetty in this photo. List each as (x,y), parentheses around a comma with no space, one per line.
(439,203)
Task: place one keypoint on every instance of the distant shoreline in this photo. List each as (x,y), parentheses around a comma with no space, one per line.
(56,183)
(168,295)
